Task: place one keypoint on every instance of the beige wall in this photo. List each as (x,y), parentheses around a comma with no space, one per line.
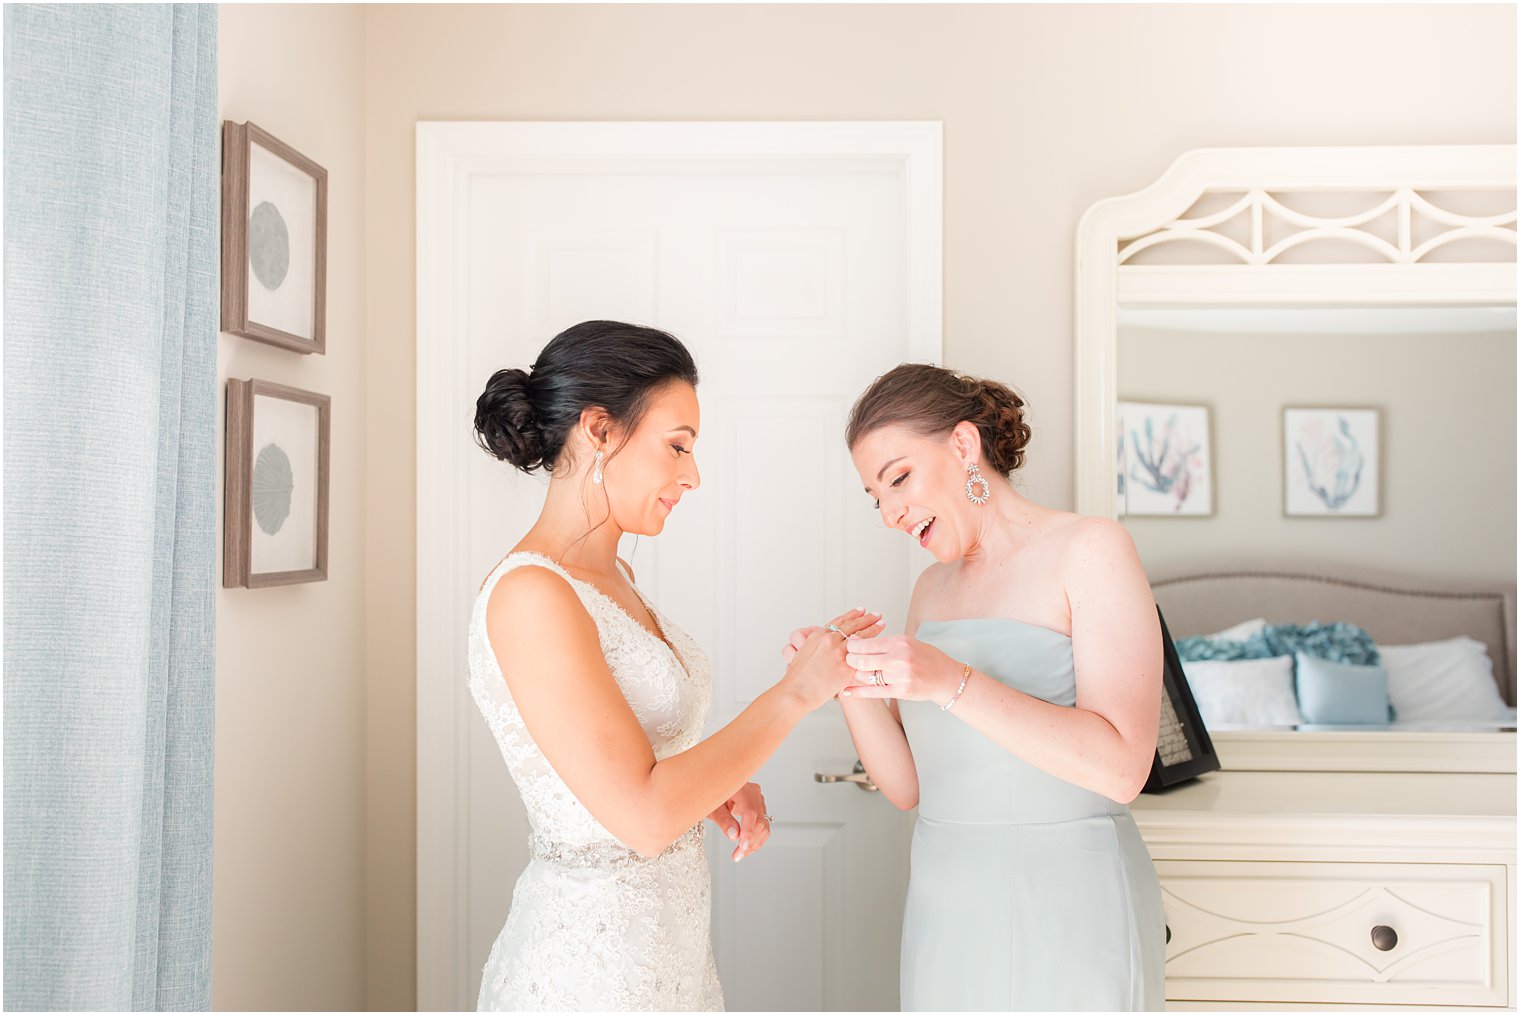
(288,890)
(1046,109)
(1447,432)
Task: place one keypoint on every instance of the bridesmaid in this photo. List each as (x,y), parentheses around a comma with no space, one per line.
(1018,712)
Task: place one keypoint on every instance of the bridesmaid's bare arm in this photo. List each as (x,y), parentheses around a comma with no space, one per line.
(877,730)
(1107,741)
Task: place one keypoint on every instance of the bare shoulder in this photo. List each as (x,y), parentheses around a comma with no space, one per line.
(529,597)
(1095,542)
(1103,574)
(930,581)
(1099,563)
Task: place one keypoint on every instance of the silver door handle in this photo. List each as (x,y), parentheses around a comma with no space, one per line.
(858,777)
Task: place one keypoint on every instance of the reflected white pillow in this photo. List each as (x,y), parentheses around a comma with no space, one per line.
(1452,679)
(1240,632)
(1244,692)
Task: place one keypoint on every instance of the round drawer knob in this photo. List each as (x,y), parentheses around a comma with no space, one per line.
(1168,933)
(1384,938)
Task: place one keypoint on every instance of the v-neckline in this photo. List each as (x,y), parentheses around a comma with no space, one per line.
(658,634)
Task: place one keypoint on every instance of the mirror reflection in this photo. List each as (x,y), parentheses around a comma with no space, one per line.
(1325,501)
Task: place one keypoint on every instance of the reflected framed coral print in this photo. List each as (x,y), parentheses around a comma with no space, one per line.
(1165,461)
(277,468)
(1331,466)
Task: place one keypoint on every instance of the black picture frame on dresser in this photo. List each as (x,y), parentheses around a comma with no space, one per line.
(1178,709)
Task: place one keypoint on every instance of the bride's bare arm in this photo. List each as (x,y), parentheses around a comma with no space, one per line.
(549,652)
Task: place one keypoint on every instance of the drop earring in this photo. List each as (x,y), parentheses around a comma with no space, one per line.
(974,478)
(596,474)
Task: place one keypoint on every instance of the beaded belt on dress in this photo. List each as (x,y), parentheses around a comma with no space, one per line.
(604,854)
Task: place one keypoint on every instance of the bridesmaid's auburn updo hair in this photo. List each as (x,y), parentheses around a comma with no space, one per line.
(524,417)
(930,401)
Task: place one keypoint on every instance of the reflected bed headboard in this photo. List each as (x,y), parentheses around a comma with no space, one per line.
(1394,610)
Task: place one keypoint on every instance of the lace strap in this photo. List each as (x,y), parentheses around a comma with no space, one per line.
(519,557)
(592,600)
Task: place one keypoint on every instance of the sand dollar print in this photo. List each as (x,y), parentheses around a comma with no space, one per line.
(268,245)
(273,483)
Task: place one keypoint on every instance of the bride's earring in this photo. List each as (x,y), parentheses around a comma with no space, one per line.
(596,474)
(975,478)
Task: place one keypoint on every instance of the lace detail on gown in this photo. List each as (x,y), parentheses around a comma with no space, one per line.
(593,925)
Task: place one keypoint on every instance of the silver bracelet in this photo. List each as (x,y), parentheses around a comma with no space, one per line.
(965,676)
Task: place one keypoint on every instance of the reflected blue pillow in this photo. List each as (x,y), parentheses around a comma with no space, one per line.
(1338,642)
(1341,693)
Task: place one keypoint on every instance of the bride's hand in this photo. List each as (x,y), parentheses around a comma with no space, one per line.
(743,817)
(817,670)
(801,635)
(902,667)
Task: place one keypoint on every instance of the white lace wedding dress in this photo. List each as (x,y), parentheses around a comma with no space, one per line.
(593,925)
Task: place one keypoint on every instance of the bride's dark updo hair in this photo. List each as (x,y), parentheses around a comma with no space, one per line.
(930,400)
(524,416)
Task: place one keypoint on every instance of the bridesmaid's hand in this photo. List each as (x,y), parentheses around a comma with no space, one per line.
(902,668)
(742,817)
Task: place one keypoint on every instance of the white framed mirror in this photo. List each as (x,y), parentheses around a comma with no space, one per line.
(1295,385)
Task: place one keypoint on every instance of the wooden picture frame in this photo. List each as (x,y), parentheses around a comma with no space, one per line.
(1178,711)
(274,241)
(276,485)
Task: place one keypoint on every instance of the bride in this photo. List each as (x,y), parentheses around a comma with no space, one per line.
(598,701)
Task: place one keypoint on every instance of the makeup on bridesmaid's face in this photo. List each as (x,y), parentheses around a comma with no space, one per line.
(908,476)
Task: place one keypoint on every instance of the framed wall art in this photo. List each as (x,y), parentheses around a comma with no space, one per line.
(1331,465)
(277,477)
(274,241)
(1166,461)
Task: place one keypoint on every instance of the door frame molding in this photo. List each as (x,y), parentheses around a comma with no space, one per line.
(449,155)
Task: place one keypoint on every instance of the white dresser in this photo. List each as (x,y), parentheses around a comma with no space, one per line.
(1289,889)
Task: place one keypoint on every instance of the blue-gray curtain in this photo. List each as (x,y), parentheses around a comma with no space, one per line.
(111,194)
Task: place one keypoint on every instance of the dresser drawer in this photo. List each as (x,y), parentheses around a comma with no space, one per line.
(1428,934)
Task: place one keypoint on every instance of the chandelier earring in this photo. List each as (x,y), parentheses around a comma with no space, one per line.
(975,479)
(596,474)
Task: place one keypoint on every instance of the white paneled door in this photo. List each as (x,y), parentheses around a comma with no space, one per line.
(798,262)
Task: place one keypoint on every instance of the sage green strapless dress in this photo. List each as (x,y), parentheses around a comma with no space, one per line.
(1026,892)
